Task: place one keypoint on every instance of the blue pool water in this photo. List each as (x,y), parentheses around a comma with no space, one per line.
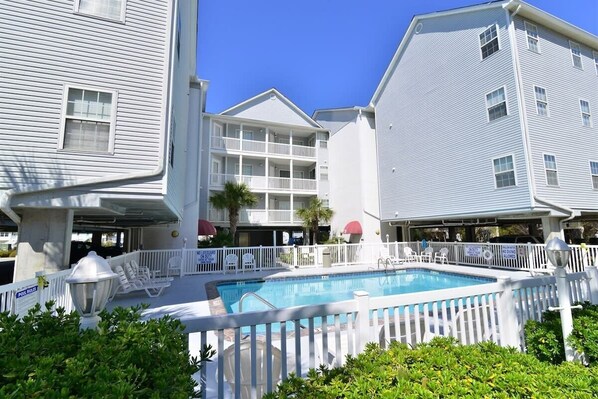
(299,291)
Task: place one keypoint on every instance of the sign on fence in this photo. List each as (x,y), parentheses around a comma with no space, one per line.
(25,299)
(473,251)
(206,257)
(509,252)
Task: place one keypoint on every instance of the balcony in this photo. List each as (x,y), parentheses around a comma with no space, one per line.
(256,216)
(265,183)
(261,147)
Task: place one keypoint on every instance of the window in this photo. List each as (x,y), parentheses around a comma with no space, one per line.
(532,37)
(595,53)
(552,178)
(298,174)
(504,171)
(496,103)
(284,173)
(586,115)
(88,123)
(109,9)
(489,41)
(576,54)
(541,101)
(171,145)
(594,172)
(247,135)
(247,169)
(323,172)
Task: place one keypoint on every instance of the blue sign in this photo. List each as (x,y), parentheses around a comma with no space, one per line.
(26,291)
(206,257)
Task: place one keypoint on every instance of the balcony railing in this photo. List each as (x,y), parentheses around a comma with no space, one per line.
(217,180)
(256,216)
(234,144)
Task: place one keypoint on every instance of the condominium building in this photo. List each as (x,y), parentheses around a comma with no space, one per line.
(279,152)
(486,115)
(99,105)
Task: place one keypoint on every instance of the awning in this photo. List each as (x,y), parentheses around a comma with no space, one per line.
(205,228)
(353,227)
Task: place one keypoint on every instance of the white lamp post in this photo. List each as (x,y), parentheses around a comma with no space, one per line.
(558,252)
(91,284)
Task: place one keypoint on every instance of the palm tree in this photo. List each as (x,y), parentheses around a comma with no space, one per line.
(315,213)
(233,198)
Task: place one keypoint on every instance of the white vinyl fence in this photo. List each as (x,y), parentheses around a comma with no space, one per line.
(307,336)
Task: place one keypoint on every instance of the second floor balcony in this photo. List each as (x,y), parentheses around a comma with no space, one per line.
(262,147)
(257,216)
(217,181)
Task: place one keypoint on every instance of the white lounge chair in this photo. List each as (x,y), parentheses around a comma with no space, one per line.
(402,335)
(175,264)
(142,275)
(427,254)
(386,257)
(248,261)
(260,364)
(543,270)
(474,324)
(231,261)
(441,255)
(152,289)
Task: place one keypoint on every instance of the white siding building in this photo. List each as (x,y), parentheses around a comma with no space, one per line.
(268,143)
(486,114)
(94,114)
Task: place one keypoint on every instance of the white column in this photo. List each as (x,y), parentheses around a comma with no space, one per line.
(362,299)
(291,173)
(241,167)
(563,291)
(241,138)
(551,227)
(291,144)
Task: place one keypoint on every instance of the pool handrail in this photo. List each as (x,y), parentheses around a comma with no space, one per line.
(256,296)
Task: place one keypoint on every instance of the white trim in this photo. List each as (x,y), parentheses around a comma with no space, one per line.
(581,112)
(542,101)
(595,54)
(488,108)
(527,26)
(121,19)
(514,171)
(571,45)
(592,174)
(495,25)
(64,117)
(546,169)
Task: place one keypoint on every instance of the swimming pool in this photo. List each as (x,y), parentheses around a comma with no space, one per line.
(311,290)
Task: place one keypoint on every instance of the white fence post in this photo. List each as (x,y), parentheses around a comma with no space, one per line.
(592,272)
(564,296)
(362,324)
(456,251)
(345,252)
(509,331)
(530,256)
(294,256)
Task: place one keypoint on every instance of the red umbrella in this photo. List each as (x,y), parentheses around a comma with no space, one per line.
(353,227)
(205,228)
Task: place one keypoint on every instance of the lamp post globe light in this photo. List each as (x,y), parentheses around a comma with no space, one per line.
(558,252)
(91,284)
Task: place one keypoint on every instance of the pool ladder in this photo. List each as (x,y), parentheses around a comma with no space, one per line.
(256,296)
(259,298)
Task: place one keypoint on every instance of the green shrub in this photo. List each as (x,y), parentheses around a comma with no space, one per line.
(545,339)
(44,355)
(443,369)
(4,253)
(13,253)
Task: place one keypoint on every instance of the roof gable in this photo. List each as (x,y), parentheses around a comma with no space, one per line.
(272,106)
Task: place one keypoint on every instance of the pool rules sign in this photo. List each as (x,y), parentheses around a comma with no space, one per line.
(25,299)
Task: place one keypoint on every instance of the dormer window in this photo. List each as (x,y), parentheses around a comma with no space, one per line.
(489,42)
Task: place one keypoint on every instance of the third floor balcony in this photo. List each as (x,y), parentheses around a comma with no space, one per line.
(254,182)
(231,144)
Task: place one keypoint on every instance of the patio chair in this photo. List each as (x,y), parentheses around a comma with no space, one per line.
(152,289)
(142,274)
(175,264)
(246,364)
(427,254)
(441,255)
(386,257)
(231,261)
(402,335)
(248,262)
(543,270)
(410,255)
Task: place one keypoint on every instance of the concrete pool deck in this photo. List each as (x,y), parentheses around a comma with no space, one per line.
(187,298)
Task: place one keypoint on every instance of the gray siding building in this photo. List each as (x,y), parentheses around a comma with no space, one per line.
(94,108)
(485,115)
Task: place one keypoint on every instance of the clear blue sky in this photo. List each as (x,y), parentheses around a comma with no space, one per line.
(319,53)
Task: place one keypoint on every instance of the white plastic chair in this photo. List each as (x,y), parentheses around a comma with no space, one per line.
(427,254)
(441,255)
(386,256)
(260,363)
(410,338)
(410,255)
(175,264)
(248,261)
(231,261)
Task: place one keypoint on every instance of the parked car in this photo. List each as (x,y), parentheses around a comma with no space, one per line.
(515,239)
(80,249)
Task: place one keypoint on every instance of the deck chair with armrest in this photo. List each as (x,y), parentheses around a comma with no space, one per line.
(441,255)
(427,254)
(410,255)
(248,262)
(125,286)
(231,262)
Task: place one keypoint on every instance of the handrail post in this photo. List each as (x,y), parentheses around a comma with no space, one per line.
(592,272)
(362,324)
(456,251)
(295,256)
(530,256)
(345,252)
(509,330)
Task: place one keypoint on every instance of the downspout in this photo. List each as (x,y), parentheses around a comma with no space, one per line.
(524,124)
(7,195)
